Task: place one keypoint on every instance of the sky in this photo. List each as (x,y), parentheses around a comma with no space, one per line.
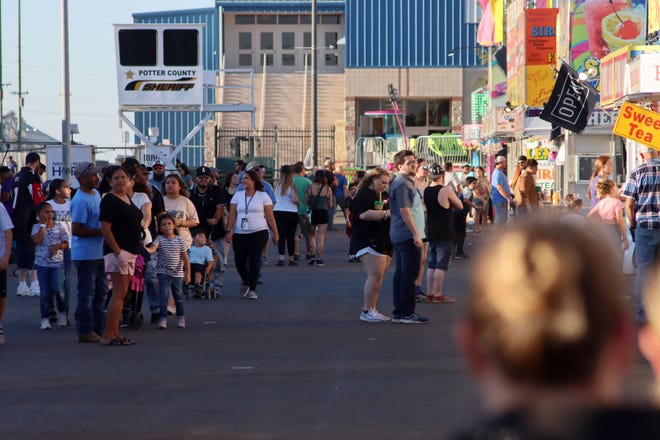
(92,67)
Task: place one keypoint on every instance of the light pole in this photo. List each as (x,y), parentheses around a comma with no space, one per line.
(66,101)
(314,127)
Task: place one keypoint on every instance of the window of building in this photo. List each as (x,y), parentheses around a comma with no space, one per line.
(288,40)
(331,59)
(266,19)
(244,19)
(415,113)
(330,19)
(180,47)
(307,39)
(439,113)
(288,59)
(331,39)
(245,40)
(269,59)
(137,47)
(245,59)
(288,19)
(305,19)
(267,41)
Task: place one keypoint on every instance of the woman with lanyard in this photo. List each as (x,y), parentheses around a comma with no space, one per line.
(250,216)
(370,238)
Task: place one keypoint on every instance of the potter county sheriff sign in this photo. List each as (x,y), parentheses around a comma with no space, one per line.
(639,124)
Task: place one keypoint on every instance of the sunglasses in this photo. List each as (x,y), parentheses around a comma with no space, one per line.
(425,168)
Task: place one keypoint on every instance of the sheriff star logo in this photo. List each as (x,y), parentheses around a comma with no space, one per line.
(129,74)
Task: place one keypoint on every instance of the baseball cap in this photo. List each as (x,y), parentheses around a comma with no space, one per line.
(32,157)
(328,162)
(85,168)
(254,165)
(203,171)
(157,163)
(499,159)
(436,170)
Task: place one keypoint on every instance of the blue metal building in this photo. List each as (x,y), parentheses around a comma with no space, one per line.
(411,33)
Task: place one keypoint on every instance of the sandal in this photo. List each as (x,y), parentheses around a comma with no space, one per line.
(116,342)
(126,341)
(442,300)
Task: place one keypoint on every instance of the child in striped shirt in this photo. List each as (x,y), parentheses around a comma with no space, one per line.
(173,268)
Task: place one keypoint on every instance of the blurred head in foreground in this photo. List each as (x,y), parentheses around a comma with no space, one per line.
(649,335)
(545,317)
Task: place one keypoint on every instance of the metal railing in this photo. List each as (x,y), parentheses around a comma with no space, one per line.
(284,145)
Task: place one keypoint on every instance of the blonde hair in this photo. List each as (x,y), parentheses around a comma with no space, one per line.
(604,187)
(546,302)
(598,167)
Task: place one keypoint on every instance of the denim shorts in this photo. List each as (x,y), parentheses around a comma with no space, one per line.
(439,255)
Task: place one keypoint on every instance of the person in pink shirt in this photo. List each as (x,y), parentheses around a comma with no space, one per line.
(609,209)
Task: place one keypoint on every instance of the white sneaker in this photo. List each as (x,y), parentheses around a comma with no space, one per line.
(62,320)
(45,324)
(380,315)
(369,317)
(23,290)
(252,295)
(181,323)
(162,324)
(34,289)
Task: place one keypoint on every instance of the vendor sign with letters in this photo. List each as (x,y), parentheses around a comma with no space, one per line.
(639,124)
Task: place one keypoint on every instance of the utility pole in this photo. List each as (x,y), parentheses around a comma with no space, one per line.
(66,100)
(315,134)
(20,92)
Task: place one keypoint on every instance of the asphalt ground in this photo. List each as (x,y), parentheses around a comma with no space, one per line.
(296,363)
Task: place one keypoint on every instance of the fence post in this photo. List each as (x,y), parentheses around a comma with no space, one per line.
(277,154)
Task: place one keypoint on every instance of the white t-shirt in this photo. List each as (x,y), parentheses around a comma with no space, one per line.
(252,219)
(62,213)
(285,202)
(182,208)
(5,225)
(140,199)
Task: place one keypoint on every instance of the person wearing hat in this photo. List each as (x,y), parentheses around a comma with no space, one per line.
(440,201)
(501,192)
(209,200)
(28,193)
(158,176)
(87,254)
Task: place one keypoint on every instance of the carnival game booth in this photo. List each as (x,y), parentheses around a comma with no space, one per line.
(160,67)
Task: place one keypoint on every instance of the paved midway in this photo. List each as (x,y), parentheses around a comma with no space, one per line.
(297,363)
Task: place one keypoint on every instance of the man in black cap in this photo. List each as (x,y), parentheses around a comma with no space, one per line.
(28,193)
(209,200)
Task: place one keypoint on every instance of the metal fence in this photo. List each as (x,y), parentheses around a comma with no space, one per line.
(284,145)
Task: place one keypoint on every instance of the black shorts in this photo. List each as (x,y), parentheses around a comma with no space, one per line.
(24,255)
(319,217)
(197,268)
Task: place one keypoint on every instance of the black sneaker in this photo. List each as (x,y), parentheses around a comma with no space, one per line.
(296,257)
(280,263)
(319,262)
(420,297)
(413,319)
(311,260)
(293,263)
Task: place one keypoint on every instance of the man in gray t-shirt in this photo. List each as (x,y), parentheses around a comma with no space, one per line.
(406,233)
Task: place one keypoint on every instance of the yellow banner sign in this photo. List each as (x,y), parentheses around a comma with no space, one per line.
(639,124)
